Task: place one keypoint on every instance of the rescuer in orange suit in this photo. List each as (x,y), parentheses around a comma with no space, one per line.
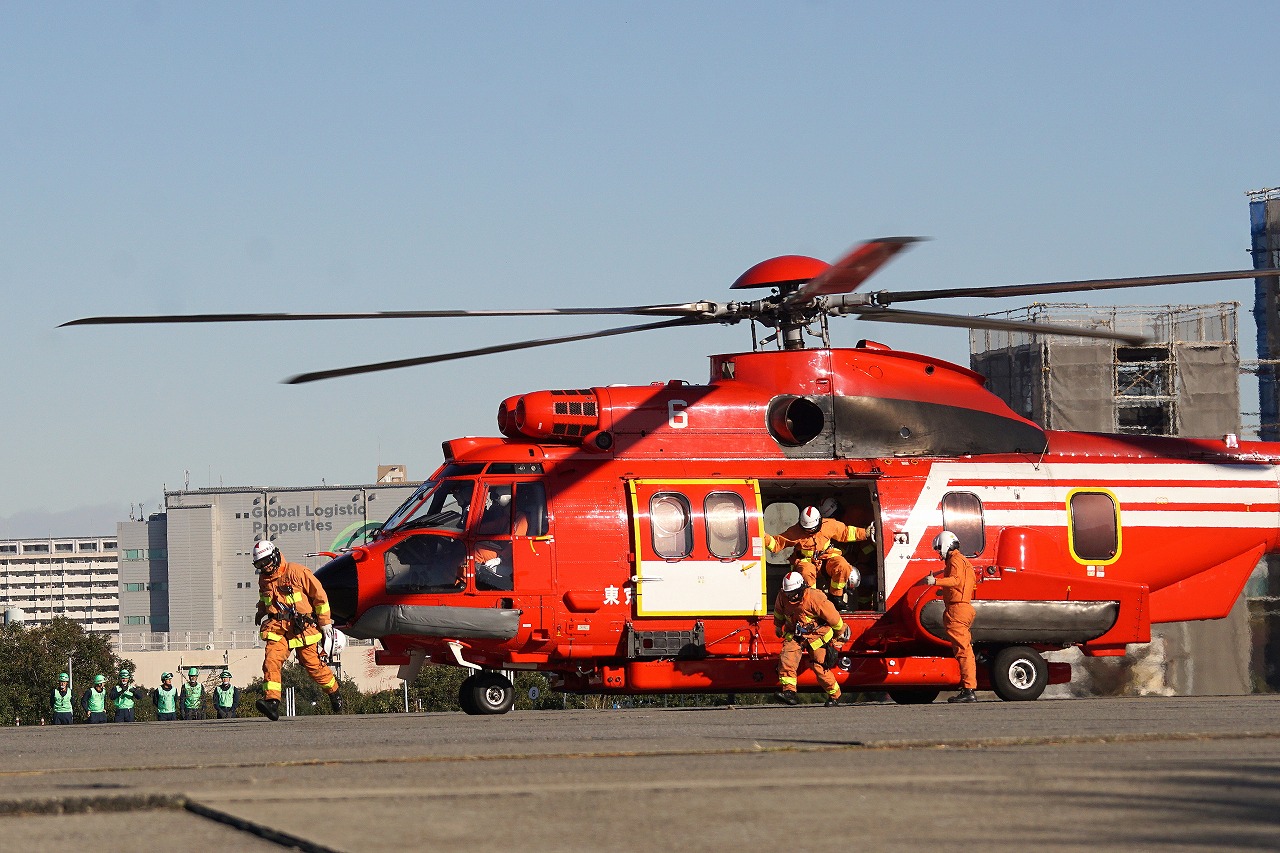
(807,622)
(862,556)
(957,586)
(293,612)
(812,537)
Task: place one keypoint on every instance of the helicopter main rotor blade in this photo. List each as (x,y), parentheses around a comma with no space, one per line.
(885,297)
(848,273)
(518,345)
(928,318)
(677,310)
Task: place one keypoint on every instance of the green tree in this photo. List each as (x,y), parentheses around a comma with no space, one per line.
(31,658)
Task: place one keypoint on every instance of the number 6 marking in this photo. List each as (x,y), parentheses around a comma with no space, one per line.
(677,417)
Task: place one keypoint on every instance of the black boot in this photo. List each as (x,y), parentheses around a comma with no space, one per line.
(270,708)
(335,702)
(966,694)
(787,697)
(831,700)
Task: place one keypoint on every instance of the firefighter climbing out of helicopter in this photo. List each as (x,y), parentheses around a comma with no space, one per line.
(863,555)
(293,614)
(814,554)
(808,624)
(957,584)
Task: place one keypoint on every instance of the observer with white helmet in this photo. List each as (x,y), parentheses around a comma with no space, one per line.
(956,588)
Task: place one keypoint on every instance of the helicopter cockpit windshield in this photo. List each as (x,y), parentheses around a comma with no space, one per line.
(438,504)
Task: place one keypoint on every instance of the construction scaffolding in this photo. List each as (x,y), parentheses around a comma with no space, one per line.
(1185,381)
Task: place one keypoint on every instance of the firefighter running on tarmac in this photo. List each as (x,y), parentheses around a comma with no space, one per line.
(813,538)
(293,612)
(957,586)
(808,624)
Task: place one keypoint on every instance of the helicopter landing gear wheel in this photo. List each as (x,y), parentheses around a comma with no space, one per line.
(486,693)
(914,695)
(1019,674)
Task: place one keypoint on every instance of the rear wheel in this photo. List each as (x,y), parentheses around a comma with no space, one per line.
(486,693)
(914,695)
(1019,674)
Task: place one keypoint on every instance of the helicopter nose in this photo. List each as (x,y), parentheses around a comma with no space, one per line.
(341,581)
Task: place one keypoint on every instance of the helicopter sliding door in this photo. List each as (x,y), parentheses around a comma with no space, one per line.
(697,548)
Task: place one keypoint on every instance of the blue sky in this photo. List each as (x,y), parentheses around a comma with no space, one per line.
(259,157)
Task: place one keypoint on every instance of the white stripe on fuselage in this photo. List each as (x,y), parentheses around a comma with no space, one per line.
(1222,485)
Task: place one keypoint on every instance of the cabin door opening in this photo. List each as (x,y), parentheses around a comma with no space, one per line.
(857,505)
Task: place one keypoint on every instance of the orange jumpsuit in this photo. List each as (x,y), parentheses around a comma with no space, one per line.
(498,527)
(293,589)
(956,590)
(813,550)
(819,623)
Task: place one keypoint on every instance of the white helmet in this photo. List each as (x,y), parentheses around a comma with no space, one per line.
(945,542)
(265,553)
(792,582)
(828,507)
(810,518)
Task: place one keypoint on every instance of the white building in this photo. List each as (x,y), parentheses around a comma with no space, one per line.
(75,577)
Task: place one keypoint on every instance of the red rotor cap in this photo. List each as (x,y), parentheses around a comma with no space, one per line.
(786,269)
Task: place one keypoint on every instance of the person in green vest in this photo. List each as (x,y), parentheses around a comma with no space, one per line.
(226,697)
(165,698)
(61,701)
(94,700)
(193,696)
(123,695)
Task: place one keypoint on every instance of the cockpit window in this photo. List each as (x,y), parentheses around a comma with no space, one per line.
(443,508)
(427,562)
(409,507)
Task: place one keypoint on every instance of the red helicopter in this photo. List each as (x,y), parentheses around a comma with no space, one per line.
(612,536)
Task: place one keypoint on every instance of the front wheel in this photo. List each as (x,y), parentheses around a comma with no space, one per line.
(486,693)
(1019,674)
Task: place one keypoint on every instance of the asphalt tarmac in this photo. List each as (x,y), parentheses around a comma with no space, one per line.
(1178,773)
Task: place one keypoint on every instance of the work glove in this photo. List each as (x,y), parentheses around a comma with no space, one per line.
(871,532)
(930,580)
(492,563)
(779,629)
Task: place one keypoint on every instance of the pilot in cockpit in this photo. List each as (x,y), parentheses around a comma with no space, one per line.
(493,557)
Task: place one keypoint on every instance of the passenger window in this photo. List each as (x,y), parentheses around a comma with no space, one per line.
(1095,526)
(426,563)
(962,515)
(669,518)
(726,518)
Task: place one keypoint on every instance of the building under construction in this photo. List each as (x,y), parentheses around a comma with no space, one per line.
(1185,381)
